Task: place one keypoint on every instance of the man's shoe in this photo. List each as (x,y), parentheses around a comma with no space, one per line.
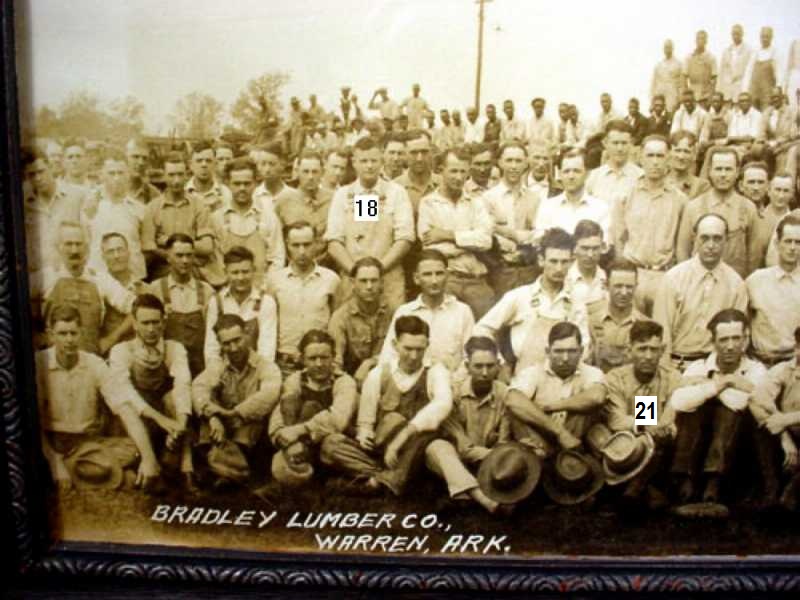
(686,491)
(711,493)
(189,484)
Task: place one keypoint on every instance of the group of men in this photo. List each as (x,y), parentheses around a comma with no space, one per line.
(419,316)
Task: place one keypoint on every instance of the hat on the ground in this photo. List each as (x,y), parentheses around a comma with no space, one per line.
(91,467)
(573,478)
(227,460)
(509,473)
(290,474)
(624,454)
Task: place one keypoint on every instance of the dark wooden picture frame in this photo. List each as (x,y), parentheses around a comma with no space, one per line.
(36,555)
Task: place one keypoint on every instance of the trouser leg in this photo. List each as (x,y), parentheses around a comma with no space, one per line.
(689,442)
(409,461)
(725,426)
(442,458)
(345,455)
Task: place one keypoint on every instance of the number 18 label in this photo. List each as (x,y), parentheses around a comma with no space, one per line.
(645,410)
(365,207)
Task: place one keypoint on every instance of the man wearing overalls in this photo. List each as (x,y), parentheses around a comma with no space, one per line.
(761,75)
(315,402)
(74,285)
(241,297)
(530,311)
(154,373)
(402,405)
(185,300)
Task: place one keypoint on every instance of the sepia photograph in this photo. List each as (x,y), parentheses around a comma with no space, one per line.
(466,279)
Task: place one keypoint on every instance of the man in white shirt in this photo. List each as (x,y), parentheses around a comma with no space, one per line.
(614,180)
(745,121)
(403,403)
(450,320)
(575,203)
(689,117)
(709,404)
(541,128)
(733,64)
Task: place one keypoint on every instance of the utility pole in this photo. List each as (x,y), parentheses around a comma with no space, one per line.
(480,54)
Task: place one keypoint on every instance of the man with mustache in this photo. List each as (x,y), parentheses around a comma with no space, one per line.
(74,285)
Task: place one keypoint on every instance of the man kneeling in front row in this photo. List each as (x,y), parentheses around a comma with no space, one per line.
(403,403)
(316,401)
(233,399)
(75,423)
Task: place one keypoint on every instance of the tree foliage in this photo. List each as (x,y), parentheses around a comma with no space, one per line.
(84,115)
(197,115)
(258,102)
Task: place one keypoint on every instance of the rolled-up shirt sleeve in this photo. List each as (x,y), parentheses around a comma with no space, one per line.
(117,296)
(336,418)
(440,401)
(368,404)
(272,235)
(204,384)
(182,380)
(262,402)
(335,230)
(480,236)
(267,328)
(403,222)
(617,404)
(120,362)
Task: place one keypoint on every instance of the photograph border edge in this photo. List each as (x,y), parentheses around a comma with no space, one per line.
(26,514)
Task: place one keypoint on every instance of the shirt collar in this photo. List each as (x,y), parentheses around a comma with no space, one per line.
(574,274)
(418,304)
(255,293)
(252,361)
(536,290)
(715,272)
(167,199)
(466,391)
(711,365)
(53,365)
(353,309)
(173,283)
(160,346)
(394,366)
(314,273)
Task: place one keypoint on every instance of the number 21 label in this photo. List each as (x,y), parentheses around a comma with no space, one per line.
(645,410)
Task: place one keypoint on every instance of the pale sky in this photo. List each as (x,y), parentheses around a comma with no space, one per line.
(567,50)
